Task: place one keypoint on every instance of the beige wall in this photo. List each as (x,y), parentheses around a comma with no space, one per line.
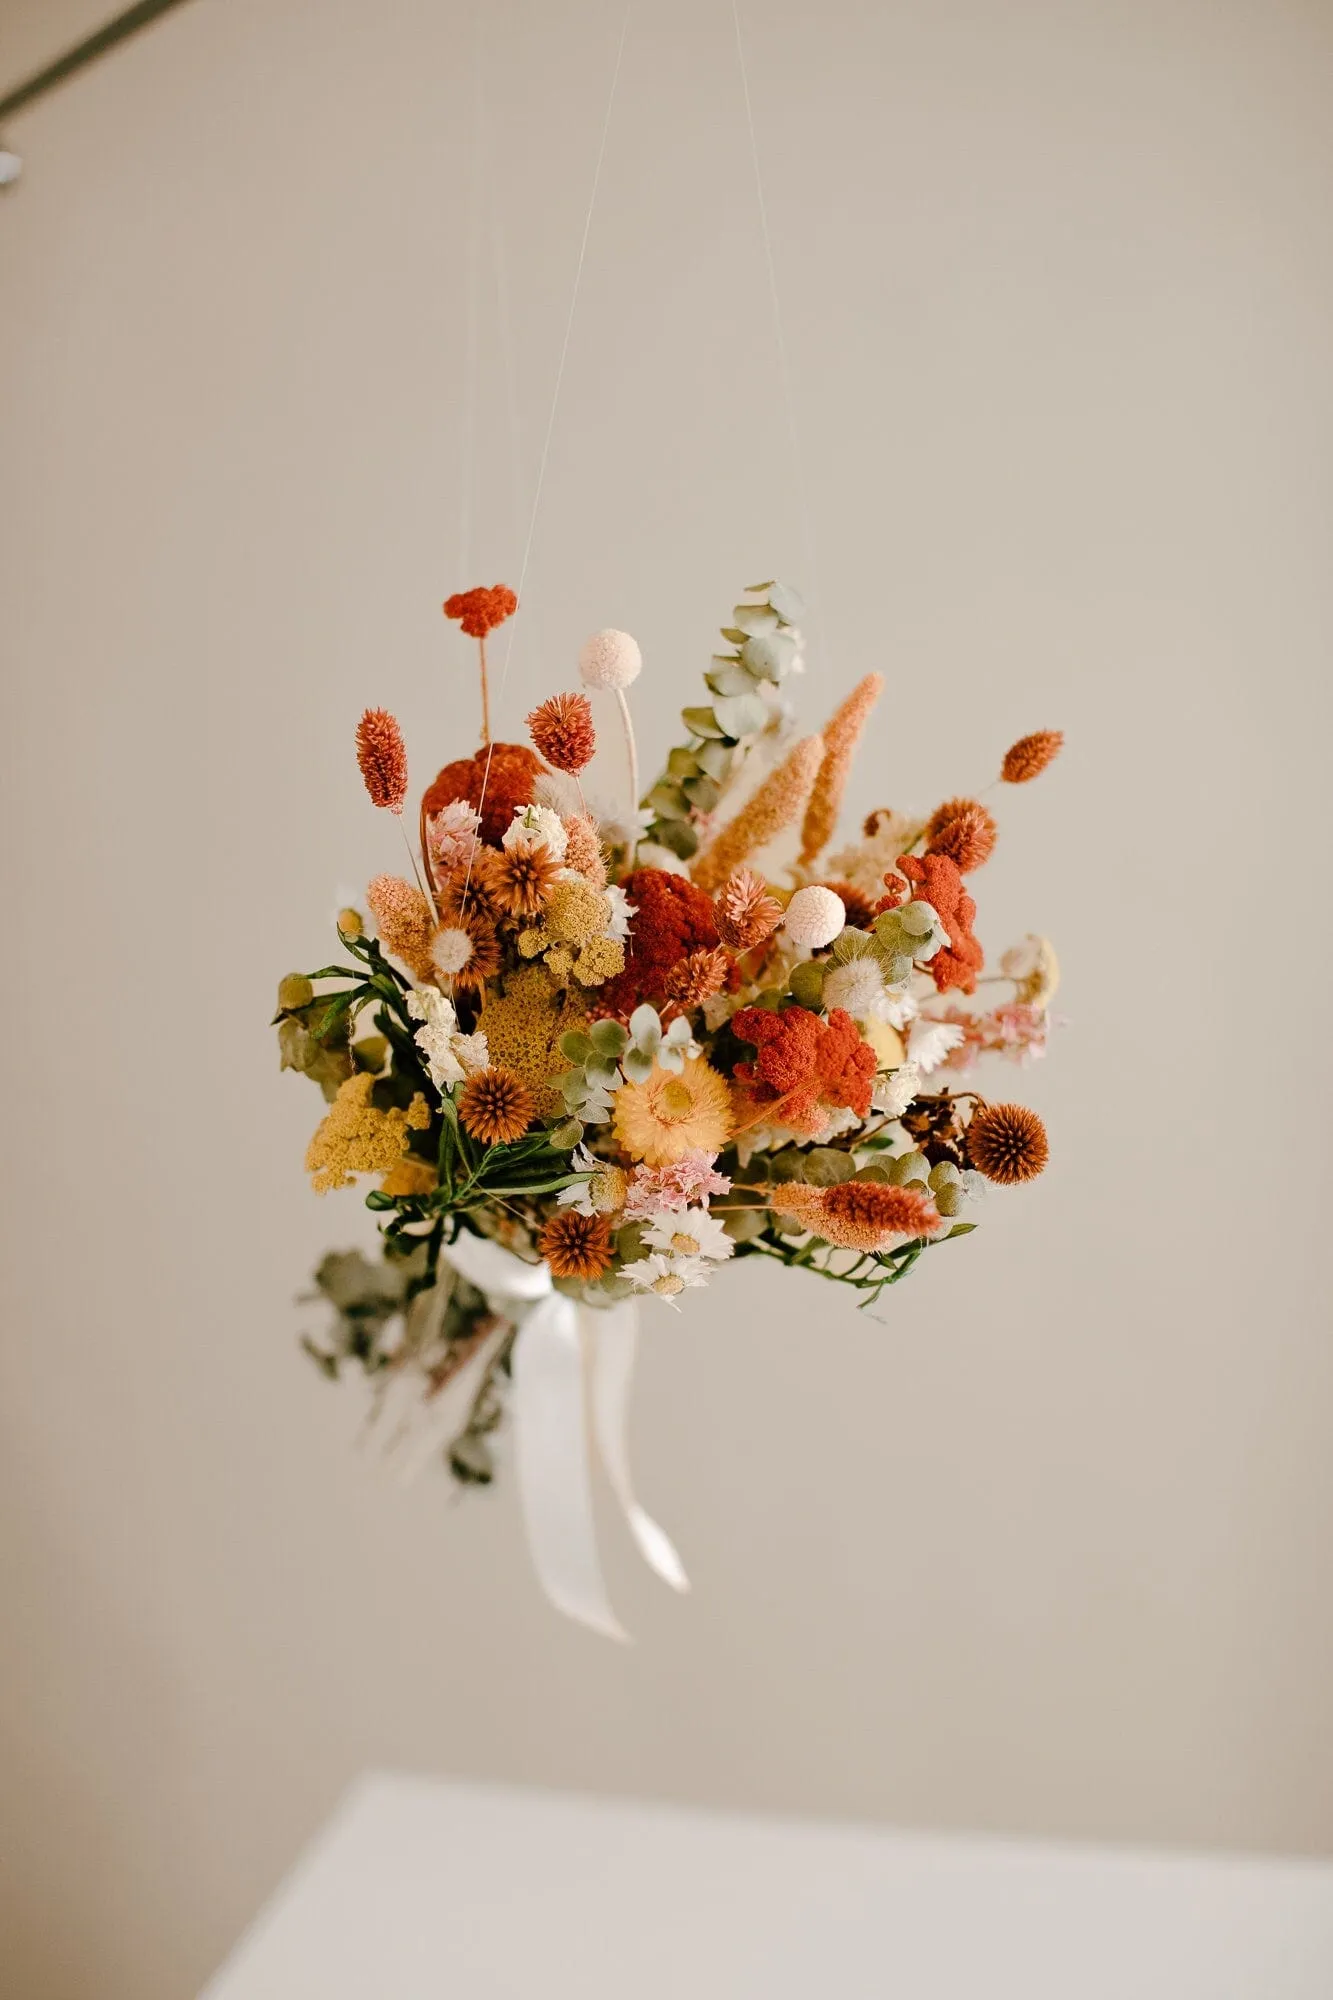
(1049,1549)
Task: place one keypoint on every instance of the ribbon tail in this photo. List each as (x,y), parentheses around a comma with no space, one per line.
(614,1339)
(551,1456)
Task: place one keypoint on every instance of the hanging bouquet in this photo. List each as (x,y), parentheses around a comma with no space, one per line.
(586,1056)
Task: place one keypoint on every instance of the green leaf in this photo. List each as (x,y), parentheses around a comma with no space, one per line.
(682,763)
(769,655)
(608,1037)
(565,1137)
(754,619)
(959,1229)
(667,800)
(714,759)
(727,679)
(807,985)
(702,793)
(678,836)
(575,1047)
(761,589)
(701,722)
(825,1166)
(734,633)
(740,714)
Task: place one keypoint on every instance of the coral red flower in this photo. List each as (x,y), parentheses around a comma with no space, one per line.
(562,730)
(382,758)
(479,611)
(964,830)
(672,919)
(936,880)
(811,1067)
(513,768)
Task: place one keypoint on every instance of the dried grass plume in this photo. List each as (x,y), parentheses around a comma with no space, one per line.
(778,803)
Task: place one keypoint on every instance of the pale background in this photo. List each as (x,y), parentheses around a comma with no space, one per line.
(1049,1550)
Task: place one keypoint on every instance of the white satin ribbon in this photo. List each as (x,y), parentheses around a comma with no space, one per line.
(559,1343)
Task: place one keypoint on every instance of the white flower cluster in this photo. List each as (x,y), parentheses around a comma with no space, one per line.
(450,1055)
(686,1244)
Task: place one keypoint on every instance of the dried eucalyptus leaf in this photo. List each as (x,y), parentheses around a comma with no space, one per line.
(769,655)
(701,722)
(714,759)
(788,603)
(679,837)
(788,1165)
(807,985)
(740,714)
(753,619)
(825,1166)
(608,1037)
(728,678)
(702,793)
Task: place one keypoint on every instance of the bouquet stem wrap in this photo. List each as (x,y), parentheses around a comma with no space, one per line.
(567,1358)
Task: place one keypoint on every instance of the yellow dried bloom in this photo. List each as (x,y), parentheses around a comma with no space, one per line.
(779,801)
(841,734)
(410,1176)
(600,959)
(523,1026)
(608,1188)
(669,1115)
(575,912)
(356,1137)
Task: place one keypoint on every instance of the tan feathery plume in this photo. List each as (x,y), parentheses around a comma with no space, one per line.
(405,922)
(841,734)
(778,803)
(745,911)
(382,758)
(694,978)
(1028,758)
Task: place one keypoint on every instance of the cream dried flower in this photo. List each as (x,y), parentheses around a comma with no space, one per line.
(450,1055)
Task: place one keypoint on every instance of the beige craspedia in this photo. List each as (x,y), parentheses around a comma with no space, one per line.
(609,659)
(815,916)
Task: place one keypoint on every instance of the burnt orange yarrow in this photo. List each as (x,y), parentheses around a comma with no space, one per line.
(479,611)
(1028,758)
(1007,1143)
(561,730)
(576,1246)
(696,977)
(496,1107)
(520,880)
(382,758)
(965,831)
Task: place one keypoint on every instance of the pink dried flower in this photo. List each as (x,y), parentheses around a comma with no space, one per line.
(451,837)
(1016,1031)
(687,1181)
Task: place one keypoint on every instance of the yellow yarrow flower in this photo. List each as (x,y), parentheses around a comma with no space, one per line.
(670,1115)
(523,1026)
(356,1137)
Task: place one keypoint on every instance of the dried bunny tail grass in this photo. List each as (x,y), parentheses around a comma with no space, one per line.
(1007,1143)
(404,921)
(562,731)
(857,1215)
(695,978)
(584,852)
(382,758)
(967,834)
(778,803)
(1028,758)
(841,734)
(745,911)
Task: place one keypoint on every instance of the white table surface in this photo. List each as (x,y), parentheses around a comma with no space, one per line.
(423,1890)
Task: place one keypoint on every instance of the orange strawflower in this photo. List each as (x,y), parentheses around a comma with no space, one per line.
(1028,758)
(1007,1143)
(479,611)
(576,1246)
(496,1107)
(382,758)
(562,731)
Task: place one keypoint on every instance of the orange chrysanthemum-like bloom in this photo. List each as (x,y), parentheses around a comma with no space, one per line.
(692,979)
(858,1215)
(584,850)
(496,1107)
(805,1067)
(1007,1143)
(936,880)
(746,913)
(964,830)
(479,611)
(841,734)
(1028,758)
(778,803)
(404,921)
(382,758)
(576,1246)
(521,879)
(562,730)
(496,781)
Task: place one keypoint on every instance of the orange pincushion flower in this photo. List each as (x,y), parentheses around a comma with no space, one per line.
(521,879)
(496,1107)
(858,1215)
(382,758)
(1028,758)
(479,611)
(562,730)
(745,911)
(964,830)
(694,978)
(1007,1143)
(576,1246)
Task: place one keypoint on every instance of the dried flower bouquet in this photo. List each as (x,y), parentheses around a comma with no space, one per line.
(631,1046)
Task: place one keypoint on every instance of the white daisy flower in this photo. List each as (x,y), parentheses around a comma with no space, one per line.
(690,1232)
(450,1056)
(666,1277)
(621,911)
(929,1042)
(894,1093)
(537,826)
